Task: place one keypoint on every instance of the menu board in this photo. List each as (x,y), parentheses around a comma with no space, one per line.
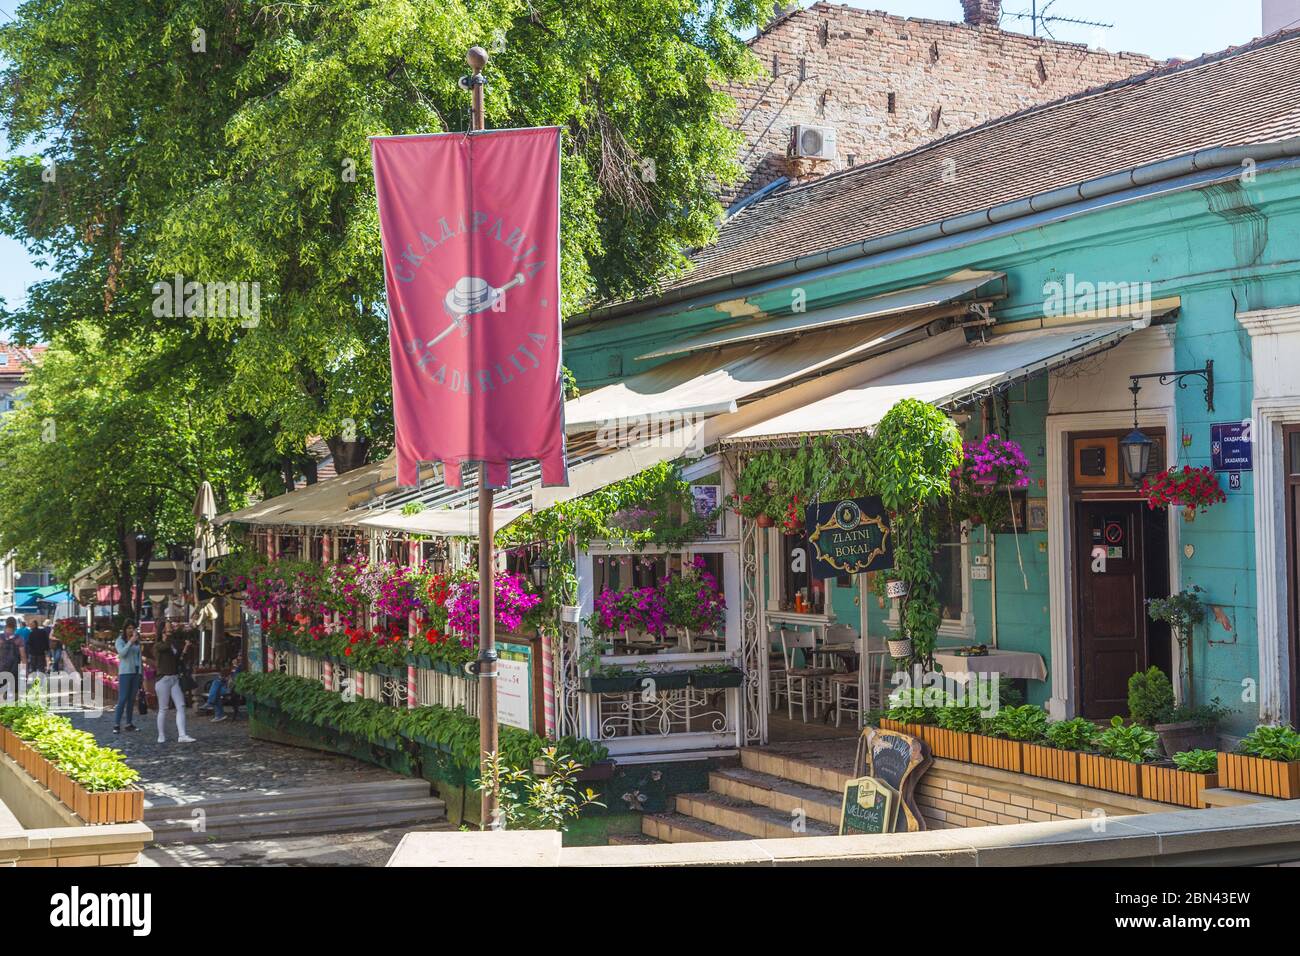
(870,806)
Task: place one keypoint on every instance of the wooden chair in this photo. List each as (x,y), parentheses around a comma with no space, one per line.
(775,670)
(848,696)
(799,680)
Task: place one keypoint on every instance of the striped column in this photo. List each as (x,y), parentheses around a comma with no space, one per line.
(548,687)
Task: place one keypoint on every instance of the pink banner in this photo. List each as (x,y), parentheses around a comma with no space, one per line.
(470,226)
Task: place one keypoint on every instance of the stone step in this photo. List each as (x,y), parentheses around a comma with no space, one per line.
(1223,797)
(678,828)
(793,769)
(632,839)
(256,801)
(424,812)
(749,818)
(777,793)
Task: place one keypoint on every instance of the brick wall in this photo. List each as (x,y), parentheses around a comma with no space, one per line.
(954,794)
(831,65)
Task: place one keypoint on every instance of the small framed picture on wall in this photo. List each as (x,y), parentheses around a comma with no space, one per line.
(1036,518)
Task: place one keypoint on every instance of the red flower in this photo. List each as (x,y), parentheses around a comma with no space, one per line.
(347,652)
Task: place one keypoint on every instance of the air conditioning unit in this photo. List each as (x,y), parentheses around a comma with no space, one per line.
(812,142)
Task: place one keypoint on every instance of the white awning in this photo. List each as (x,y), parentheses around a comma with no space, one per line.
(447,522)
(322,503)
(955,376)
(711,383)
(934,295)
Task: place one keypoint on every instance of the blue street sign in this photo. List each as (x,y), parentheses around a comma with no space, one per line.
(1230,446)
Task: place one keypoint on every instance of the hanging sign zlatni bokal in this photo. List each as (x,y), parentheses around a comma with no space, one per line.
(470,224)
(848,537)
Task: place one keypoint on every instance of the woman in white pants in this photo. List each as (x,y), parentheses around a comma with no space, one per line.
(168,654)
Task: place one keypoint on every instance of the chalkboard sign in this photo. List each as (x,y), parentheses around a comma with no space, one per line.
(870,806)
(897,760)
(848,537)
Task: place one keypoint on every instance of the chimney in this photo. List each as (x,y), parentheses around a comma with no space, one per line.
(982,13)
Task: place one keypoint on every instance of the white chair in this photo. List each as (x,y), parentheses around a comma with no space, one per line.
(775,670)
(799,680)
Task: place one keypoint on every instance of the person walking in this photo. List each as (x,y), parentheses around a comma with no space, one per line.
(13,655)
(169,653)
(129,675)
(38,646)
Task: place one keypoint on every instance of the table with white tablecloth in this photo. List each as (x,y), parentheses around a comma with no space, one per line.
(1016,665)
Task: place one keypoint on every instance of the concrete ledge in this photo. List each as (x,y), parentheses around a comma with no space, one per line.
(479,848)
(1245,835)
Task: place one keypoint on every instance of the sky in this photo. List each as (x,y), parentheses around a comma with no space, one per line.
(1158,28)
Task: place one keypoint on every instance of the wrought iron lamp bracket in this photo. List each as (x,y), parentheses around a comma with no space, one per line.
(1180,379)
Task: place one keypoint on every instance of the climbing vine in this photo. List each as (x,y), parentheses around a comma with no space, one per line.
(916,448)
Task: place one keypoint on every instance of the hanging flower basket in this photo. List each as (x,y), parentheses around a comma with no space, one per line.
(900,650)
(1192,489)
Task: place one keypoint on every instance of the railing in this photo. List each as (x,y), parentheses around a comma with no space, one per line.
(409,688)
(653,709)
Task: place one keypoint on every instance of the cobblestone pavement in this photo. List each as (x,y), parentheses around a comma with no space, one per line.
(223,759)
(365,848)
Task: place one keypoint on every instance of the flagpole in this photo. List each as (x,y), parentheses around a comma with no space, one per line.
(487,651)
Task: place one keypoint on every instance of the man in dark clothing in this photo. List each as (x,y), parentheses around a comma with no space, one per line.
(38,647)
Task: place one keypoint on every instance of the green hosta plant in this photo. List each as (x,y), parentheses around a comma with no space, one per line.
(964,720)
(909,706)
(1197,761)
(1270,742)
(1131,742)
(529,802)
(1026,723)
(1078,733)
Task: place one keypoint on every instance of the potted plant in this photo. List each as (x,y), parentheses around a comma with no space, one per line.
(1267,763)
(1057,757)
(908,712)
(1122,749)
(712,676)
(1194,489)
(952,736)
(1183,779)
(1180,727)
(999,743)
(1182,612)
(990,469)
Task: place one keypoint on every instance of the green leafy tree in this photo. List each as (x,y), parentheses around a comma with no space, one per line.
(229,142)
(95,452)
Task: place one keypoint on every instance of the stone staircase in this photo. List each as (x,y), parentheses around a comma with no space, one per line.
(377,804)
(767,796)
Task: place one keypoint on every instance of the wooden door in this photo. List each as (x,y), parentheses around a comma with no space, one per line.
(1111,619)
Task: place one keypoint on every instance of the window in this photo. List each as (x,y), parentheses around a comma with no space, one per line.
(953,590)
(793,588)
(622,572)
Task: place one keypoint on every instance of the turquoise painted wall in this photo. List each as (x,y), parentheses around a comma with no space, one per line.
(1223,248)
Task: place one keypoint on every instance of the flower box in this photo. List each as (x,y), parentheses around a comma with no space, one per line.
(1110,773)
(600,770)
(110,806)
(668,680)
(995,752)
(732,677)
(1050,762)
(950,744)
(888,723)
(622,684)
(1168,784)
(1271,778)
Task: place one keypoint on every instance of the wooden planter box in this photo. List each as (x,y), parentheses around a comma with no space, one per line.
(914,730)
(952,744)
(112,806)
(1050,763)
(1108,773)
(1171,785)
(1272,778)
(995,752)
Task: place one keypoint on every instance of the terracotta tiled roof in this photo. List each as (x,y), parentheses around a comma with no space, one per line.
(16,359)
(1245,95)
